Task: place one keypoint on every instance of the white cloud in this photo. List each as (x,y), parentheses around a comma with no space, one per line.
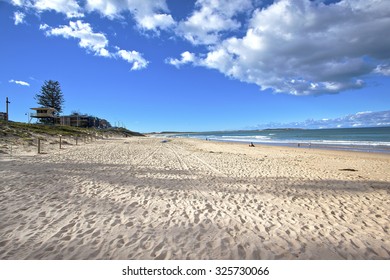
(68,7)
(134,58)
(300,47)
(155,21)
(95,42)
(360,119)
(212,18)
(186,57)
(383,69)
(19,18)
(149,14)
(306,47)
(108,8)
(43,26)
(22,83)
(17,2)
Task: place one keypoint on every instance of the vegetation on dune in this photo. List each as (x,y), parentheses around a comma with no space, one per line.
(23,130)
(121,131)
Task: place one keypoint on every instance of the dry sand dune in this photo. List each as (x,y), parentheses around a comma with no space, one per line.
(139,198)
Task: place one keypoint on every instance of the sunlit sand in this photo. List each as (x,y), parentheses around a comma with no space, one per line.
(141,198)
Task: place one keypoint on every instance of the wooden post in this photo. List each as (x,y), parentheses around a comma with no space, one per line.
(6,109)
(39,146)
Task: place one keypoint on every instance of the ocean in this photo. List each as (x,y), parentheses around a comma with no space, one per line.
(374,139)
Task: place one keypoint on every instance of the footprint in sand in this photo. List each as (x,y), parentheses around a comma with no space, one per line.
(66,238)
(120,242)
(196,219)
(162,256)
(241,252)
(116,222)
(129,224)
(156,249)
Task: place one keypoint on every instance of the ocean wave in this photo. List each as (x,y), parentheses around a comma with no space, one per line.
(267,140)
(257,137)
(347,143)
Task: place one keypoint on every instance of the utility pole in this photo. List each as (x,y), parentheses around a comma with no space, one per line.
(6,108)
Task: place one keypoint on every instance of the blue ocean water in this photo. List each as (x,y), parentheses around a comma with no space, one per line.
(374,139)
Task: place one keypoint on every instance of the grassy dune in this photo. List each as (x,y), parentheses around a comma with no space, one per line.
(22,134)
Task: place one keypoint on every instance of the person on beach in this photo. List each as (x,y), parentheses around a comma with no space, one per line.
(251,144)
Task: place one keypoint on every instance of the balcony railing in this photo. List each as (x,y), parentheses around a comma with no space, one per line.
(42,115)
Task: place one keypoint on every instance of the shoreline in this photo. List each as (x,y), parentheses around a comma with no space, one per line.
(369,139)
(303,145)
(330,147)
(315,151)
(142,198)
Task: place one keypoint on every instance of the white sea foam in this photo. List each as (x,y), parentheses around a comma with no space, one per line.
(268,140)
(257,137)
(366,139)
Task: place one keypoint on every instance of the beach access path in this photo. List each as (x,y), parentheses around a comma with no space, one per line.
(144,198)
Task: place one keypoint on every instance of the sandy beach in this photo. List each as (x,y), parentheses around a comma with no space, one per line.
(141,198)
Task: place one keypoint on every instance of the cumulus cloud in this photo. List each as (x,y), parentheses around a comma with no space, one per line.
(212,18)
(68,7)
(383,69)
(186,57)
(148,14)
(44,26)
(92,41)
(22,83)
(307,47)
(19,18)
(361,119)
(156,21)
(134,58)
(300,47)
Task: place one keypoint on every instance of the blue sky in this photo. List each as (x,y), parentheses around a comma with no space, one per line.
(199,65)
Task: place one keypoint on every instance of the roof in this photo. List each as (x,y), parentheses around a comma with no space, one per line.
(78,116)
(44,108)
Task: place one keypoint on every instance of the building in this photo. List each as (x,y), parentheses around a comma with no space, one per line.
(83,121)
(3,116)
(44,113)
(76,120)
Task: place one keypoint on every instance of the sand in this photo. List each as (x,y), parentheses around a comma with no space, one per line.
(139,198)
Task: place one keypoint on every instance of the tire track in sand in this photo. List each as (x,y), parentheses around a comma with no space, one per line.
(236,215)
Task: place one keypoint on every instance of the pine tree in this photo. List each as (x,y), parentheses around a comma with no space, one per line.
(51,96)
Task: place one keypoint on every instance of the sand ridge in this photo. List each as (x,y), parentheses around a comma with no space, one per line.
(140,198)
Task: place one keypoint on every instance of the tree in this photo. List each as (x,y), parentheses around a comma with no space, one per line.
(51,96)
